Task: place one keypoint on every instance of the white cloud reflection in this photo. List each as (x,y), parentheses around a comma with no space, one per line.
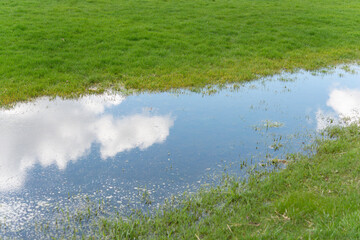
(56,132)
(346,106)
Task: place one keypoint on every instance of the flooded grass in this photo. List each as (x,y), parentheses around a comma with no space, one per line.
(81,167)
(315,197)
(67,48)
(308,196)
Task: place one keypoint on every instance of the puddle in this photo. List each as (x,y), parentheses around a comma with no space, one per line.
(115,148)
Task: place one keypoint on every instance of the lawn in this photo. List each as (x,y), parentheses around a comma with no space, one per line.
(72,47)
(66,47)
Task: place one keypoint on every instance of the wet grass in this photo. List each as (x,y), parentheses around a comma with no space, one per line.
(72,47)
(314,198)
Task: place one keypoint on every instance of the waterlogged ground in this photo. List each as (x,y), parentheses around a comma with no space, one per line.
(109,154)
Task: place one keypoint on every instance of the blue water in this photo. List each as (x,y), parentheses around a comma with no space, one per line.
(111,147)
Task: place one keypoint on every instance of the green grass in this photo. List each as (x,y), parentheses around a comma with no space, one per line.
(313,198)
(64,47)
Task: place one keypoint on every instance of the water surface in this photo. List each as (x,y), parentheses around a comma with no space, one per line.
(111,147)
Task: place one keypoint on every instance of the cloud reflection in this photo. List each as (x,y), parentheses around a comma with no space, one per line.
(346,105)
(59,131)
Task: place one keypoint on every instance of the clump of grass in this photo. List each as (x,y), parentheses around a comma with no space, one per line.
(268,124)
(71,220)
(314,197)
(68,47)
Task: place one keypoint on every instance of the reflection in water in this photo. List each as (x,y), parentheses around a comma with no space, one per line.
(59,131)
(345,103)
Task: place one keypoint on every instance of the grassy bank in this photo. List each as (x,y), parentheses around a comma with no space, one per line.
(313,198)
(65,47)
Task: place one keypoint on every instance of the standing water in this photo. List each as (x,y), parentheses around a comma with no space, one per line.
(113,149)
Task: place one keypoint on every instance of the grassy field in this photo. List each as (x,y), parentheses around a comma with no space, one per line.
(313,198)
(64,47)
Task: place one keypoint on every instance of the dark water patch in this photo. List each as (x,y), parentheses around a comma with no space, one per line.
(135,151)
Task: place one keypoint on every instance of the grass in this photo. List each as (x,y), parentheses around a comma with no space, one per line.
(315,197)
(66,47)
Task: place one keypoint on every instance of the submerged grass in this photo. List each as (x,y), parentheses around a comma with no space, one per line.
(67,47)
(315,197)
